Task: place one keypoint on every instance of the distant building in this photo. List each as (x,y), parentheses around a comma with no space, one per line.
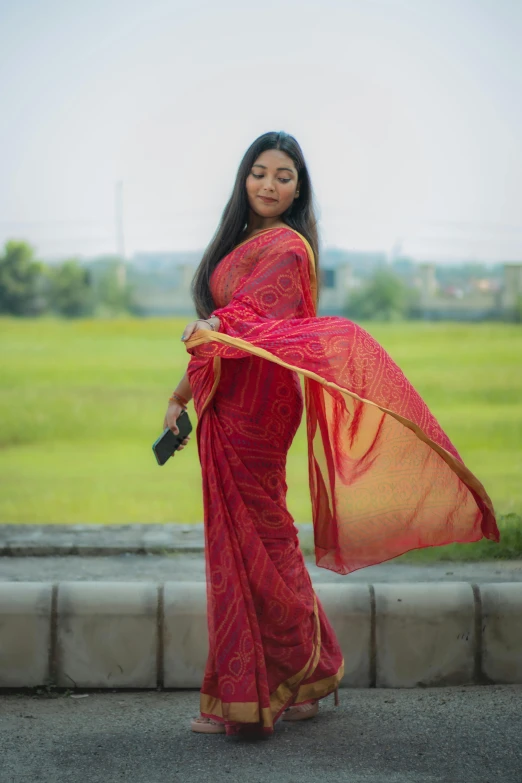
(336,284)
(481,300)
(161,282)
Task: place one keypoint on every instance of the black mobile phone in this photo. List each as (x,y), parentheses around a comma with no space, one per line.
(167,443)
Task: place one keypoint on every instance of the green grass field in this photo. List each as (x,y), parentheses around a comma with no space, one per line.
(82,401)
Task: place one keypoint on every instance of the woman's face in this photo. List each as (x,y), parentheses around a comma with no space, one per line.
(271,184)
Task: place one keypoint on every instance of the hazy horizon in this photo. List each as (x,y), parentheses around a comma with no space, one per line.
(408,113)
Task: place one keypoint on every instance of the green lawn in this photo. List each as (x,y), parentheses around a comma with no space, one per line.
(82,401)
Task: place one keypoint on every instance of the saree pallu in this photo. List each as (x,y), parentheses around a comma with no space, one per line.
(384,478)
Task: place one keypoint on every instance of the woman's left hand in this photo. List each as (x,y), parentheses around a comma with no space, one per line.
(193,327)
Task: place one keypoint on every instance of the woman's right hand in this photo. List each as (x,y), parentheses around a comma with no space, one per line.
(173,412)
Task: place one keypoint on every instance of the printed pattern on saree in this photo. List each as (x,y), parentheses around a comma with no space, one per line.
(269,638)
(384,476)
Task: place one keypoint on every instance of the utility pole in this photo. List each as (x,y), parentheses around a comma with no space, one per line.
(120,240)
(395,251)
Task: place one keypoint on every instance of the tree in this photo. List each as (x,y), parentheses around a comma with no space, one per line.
(70,290)
(385,297)
(113,296)
(21,280)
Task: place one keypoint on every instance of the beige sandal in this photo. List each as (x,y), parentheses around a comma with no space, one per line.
(308,710)
(207,726)
(302,711)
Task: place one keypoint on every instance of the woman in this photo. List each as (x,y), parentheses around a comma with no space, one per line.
(384,478)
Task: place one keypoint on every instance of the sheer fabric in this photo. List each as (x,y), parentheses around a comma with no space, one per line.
(384,478)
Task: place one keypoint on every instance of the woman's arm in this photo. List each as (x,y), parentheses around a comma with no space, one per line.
(183,388)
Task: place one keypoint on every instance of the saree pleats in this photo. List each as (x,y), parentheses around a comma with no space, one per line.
(265,622)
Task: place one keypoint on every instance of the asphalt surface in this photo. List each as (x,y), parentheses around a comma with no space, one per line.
(188,567)
(438,735)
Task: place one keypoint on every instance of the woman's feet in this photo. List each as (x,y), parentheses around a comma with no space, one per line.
(296,712)
(308,710)
(207,726)
(302,711)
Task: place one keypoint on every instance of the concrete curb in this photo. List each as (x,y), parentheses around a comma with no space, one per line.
(103,540)
(145,635)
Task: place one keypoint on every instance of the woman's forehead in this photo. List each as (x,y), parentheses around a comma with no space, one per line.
(274,159)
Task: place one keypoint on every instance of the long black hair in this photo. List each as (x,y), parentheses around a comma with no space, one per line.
(300,215)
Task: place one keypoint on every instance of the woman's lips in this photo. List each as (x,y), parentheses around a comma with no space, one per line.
(268,200)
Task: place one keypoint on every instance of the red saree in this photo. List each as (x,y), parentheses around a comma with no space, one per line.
(384,477)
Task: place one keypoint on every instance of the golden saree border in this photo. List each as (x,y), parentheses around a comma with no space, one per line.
(318,639)
(287,689)
(217,377)
(284,692)
(204,336)
(249,711)
(236,711)
(321,688)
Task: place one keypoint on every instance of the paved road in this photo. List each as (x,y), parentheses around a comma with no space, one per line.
(439,735)
(190,567)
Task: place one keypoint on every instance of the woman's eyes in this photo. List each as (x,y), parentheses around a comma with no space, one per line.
(258,176)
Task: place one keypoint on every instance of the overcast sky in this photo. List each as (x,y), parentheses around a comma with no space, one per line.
(409,113)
